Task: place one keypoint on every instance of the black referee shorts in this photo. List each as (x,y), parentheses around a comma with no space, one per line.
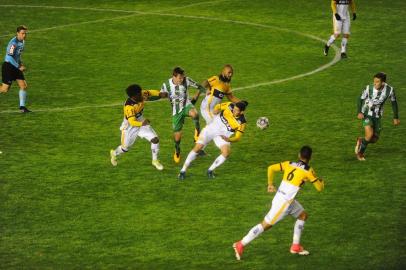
(10,73)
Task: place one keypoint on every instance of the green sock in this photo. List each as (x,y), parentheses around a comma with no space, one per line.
(364,144)
(177,147)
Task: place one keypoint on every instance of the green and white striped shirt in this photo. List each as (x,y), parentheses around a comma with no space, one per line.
(372,101)
(177,94)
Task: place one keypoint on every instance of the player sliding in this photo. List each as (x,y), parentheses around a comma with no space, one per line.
(284,203)
(134,125)
(370,111)
(176,89)
(227,126)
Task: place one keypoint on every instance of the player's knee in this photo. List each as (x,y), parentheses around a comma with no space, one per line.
(336,35)
(303,216)
(155,140)
(374,139)
(347,36)
(4,88)
(266,225)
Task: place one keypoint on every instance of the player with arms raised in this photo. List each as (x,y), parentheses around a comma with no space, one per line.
(134,125)
(284,203)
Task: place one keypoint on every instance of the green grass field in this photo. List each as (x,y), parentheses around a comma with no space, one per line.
(62,204)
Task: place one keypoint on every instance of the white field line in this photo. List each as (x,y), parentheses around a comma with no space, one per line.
(159,13)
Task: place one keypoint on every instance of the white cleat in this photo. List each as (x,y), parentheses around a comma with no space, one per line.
(113,158)
(157,165)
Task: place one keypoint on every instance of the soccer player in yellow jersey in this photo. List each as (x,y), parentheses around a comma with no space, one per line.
(134,124)
(284,203)
(341,24)
(217,87)
(227,126)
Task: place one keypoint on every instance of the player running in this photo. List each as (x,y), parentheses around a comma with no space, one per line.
(370,111)
(134,125)
(176,89)
(217,87)
(284,203)
(13,68)
(341,24)
(227,126)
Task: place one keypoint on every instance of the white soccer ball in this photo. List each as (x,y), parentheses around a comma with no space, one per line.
(262,123)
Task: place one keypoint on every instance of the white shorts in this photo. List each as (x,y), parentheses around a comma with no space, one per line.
(281,208)
(342,26)
(212,132)
(129,135)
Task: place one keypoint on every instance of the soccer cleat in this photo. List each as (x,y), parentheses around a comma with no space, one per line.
(343,55)
(210,174)
(238,249)
(360,157)
(325,50)
(358,145)
(157,165)
(298,249)
(113,157)
(24,109)
(182,175)
(201,153)
(176,157)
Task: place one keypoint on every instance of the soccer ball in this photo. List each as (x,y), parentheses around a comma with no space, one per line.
(262,123)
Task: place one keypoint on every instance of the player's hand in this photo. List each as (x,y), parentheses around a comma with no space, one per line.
(360,116)
(22,68)
(354,16)
(396,122)
(271,188)
(338,17)
(145,122)
(224,138)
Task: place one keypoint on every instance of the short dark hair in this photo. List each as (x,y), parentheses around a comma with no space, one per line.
(242,105)
(21,27)
(381,76)
(133,90)
(178,70)
(306,152)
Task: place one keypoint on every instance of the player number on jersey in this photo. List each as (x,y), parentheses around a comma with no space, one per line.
(291,175)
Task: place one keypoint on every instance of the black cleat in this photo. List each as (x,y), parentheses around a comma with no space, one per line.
(182,175)
(210,174)
(343,55)
(325,50)
(24,109)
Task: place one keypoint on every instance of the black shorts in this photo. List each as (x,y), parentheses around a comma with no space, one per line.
(10,73)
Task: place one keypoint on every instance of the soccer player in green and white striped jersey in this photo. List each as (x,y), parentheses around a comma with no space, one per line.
(176,89)
(370,111)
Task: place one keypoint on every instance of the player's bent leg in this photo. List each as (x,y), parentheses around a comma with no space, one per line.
(252,234)
(331,40)
(4,88)
(177,138)
(225,152)
(190,157)
(155,151)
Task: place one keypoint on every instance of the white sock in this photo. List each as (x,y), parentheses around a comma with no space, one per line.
(155,150)
(23,96)
(219,160)
(252,234)
(344,45)
(297,232)
(119,150)
(190,157)
(331,40)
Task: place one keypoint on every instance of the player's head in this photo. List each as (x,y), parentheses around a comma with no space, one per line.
(134,92)
(227,73)
(379,80)
(239,108)
(305,153)
(21,32)
(178,75)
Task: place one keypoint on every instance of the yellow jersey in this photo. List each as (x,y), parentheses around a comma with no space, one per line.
(218,89)
(233,124)
(133,111)
(294,176)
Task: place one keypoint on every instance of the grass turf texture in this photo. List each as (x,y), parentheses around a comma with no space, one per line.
(64,206)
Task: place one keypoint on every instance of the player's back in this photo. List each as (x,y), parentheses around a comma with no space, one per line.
(13,51)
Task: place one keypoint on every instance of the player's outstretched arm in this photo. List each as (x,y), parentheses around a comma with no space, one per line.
(271,171)
(233,98)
